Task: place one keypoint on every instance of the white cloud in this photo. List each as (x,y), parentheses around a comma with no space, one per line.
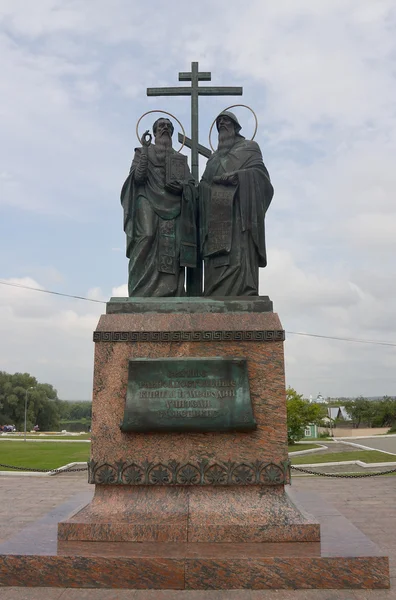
(320,76)
(48,336)
(373,230)
(104,21)
(300,290)
(339,304)
(126,75)
(96,294)
(121,291)
(23,303)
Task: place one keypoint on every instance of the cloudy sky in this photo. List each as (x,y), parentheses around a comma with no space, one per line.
(321,76)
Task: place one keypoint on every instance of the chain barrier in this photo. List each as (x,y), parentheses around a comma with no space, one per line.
(301,469)
(342,475)
(54,471)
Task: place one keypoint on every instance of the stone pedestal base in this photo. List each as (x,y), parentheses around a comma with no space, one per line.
(205,510)
(344,559)
(208,485)
(181,514)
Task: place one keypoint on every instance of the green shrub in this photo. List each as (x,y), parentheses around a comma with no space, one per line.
(324,434)
(76,425)
(300,414)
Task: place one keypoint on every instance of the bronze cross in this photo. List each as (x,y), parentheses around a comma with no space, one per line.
(194,276)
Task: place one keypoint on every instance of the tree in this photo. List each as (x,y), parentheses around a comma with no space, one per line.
(75,411)
(300,413)
(361,411)
(386,415)
(42,409)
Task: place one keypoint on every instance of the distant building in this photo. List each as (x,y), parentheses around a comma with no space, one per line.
(334,413)
(338,412)
(319,399)
(311,431)
(335,416)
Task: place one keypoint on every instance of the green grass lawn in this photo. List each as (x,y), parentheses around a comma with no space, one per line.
(51,455)
(368,456)
(320,439)
(42,455)
(297,447)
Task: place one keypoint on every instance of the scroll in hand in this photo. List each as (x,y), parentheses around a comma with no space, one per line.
(226,179)
(175,187)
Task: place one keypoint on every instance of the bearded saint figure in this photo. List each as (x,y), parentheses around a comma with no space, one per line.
(235,192)
(159,218)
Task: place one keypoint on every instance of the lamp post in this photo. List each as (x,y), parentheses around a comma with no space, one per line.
(26,399)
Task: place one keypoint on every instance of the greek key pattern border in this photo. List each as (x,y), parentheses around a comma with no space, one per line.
(189,336)
(200,473)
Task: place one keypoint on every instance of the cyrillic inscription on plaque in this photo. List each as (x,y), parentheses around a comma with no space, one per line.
(188,394)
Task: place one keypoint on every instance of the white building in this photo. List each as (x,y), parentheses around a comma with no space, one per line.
(319,399)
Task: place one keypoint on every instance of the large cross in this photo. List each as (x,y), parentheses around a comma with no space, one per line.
(194,276)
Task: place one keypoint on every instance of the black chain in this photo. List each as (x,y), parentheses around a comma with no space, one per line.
(343,475)
(308,471)
(55,471)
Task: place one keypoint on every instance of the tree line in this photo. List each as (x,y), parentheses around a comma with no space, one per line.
(362,412)
(44,408)
(372,413)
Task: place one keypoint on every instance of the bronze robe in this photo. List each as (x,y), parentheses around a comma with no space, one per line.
(160,229)
(233,231)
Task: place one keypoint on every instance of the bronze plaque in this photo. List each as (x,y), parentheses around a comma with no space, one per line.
(188,395)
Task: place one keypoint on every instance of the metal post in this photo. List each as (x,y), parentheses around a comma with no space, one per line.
(194,276)
(194,121)
(26,399)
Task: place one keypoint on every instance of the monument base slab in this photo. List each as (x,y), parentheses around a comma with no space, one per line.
(344,559)
(190,514)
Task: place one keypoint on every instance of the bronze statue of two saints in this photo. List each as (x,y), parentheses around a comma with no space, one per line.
(163,210)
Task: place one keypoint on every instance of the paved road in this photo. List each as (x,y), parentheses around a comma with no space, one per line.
(331,447)
(387,443)
(368,503)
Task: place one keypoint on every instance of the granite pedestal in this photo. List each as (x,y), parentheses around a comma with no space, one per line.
(201,510)
(344,558)
(190,487)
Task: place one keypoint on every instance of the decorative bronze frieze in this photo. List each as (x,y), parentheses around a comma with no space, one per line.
(202,472)
(189,336)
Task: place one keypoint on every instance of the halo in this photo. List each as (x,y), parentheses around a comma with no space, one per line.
(234,106)
(165,113)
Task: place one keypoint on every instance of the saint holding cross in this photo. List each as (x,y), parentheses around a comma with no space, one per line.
(234,194)
(230,222)
(159,217)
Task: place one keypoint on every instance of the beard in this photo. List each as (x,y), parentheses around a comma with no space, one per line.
(163,143)
(226,139)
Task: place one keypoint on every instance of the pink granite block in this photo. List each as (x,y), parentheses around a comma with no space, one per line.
(130,514)
(266,379)
(247,514)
